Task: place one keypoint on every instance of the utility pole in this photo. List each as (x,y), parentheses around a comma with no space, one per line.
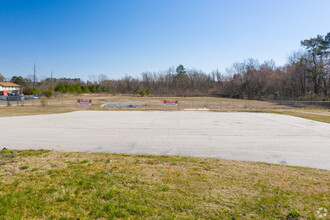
(34,76)
(51,79)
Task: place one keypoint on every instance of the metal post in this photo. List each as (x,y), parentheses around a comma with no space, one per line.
(34,76)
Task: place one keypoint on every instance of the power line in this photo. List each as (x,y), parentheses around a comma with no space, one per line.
(18,64)
(12,67)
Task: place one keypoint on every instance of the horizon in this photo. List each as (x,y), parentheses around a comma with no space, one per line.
(79,39)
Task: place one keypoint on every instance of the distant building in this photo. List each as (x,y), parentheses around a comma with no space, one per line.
(10,88)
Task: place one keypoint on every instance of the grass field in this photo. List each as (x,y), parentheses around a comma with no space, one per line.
(53,185)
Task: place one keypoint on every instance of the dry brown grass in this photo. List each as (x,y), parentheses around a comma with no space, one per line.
(32,110)
(156,102)
(68,103)
(322,115)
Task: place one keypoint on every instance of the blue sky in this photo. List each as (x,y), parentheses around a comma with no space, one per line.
(78,38)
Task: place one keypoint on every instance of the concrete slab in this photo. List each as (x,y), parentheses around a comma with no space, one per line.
(264,137)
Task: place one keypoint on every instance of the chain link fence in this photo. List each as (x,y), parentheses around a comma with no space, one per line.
(99,102)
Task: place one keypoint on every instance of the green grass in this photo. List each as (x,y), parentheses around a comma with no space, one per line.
(24,167)
(108,186)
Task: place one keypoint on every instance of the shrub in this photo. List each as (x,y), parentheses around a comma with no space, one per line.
(27,91)
(48,93)
(60,88)
(36,91)
(148,92)
(142,93)
(85,89)
(78,88)
(43,102)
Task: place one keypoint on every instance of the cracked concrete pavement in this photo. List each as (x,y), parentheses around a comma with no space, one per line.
(263,137)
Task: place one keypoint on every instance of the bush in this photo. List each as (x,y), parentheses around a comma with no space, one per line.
(148,92)
(142,93)
(36,91)
(27,91)
(43,102)
(48,93)
(60,88)
(85,89)
(77,88)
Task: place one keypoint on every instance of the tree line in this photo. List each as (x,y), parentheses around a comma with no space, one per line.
(305,76)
